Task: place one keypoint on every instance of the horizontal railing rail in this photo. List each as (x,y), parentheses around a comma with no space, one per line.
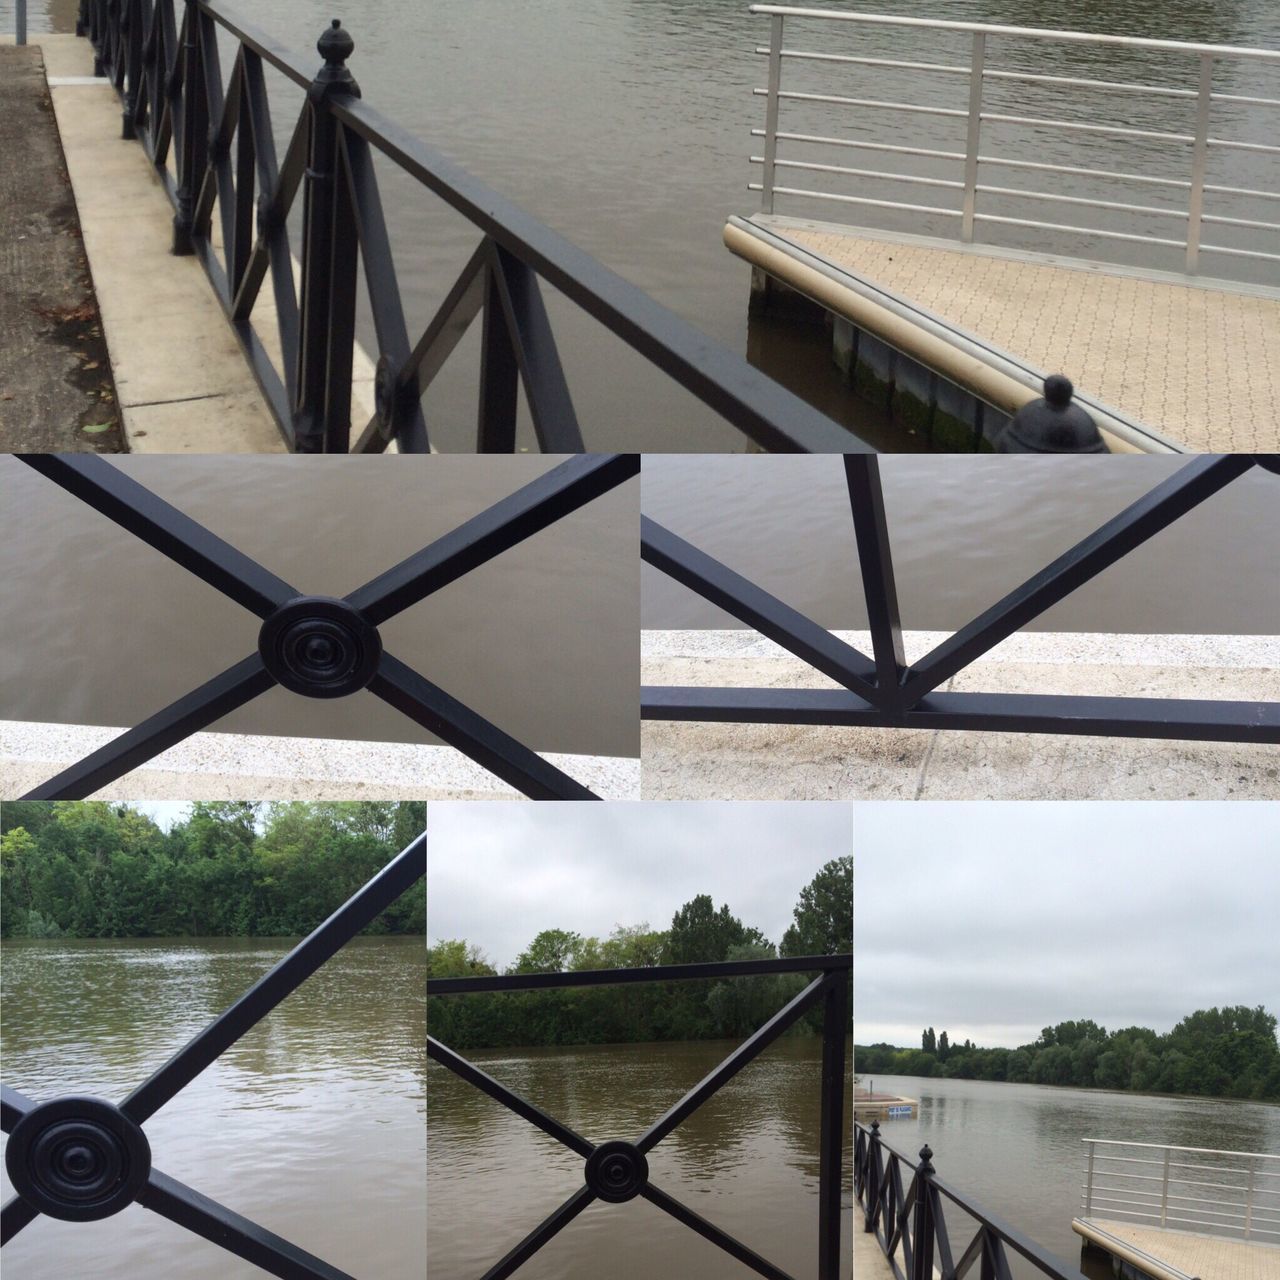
(322,647)
(883,690)
(81,1159)
(163,58)
(1189,178)
(617,1170)
(1230,1193)
(912,1213)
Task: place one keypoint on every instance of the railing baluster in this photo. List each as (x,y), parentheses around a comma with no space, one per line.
(974,135)
(246,164)
(771,113)
(193,142)
(922,1225)
(133,62)
(1088,1186)
(1199,162)
(835,1027)
(499,373)
(322,418)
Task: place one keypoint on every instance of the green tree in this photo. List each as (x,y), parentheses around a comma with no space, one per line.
(823,917)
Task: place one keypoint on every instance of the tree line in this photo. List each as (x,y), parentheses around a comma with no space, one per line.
(700,933)
(232,869)
(1223,1053)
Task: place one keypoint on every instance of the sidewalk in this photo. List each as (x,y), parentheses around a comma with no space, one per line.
(56,388)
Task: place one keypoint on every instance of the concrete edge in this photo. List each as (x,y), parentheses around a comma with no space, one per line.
(1089,1230)
(1062,648)
(266,767)
(995,376)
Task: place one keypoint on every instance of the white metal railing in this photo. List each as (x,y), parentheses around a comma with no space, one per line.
(1234,1193)
(975,113)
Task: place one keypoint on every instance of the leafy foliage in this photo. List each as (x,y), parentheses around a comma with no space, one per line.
(1225,1053)
(96,870)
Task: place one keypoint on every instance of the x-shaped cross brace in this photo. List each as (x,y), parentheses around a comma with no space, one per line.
(322,647)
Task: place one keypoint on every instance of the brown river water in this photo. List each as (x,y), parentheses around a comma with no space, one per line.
(747,1160)
(313,1124)
(625,125)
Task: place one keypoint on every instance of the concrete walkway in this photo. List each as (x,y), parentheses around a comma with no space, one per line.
(183,384)
(1196,363)
(689,761)
(56,390)
(1187,1252)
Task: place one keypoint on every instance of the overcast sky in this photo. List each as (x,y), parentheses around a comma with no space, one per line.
(995,920)
(164,813)
(497,874)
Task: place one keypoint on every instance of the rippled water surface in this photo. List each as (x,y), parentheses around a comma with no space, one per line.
(747,1160)
(312,1124)
(1017,1149)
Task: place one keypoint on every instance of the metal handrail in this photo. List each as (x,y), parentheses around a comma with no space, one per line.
(1200,140)
(1117,1191)
(81,1159)
(211,141)
(902,1208)
(617,1170)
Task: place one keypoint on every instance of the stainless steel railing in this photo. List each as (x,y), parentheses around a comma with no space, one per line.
(975,114)
(1235,1193)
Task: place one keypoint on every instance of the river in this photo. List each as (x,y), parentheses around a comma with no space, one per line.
(1016,1148)
(625,125)
(747,1160)
(312,1124)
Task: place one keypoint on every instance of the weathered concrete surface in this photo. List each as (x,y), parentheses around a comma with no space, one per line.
(183,384)
(685,761)
(226,766)
(56,390)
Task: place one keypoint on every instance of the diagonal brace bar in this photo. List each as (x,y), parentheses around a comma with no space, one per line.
(106,489)
(539,1236)
(757,608)
(744,1053)
(364,906)
(532,508)
(499,1092)
(708,1231)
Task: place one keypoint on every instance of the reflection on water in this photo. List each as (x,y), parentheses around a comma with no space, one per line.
(748,1160)
(312,1124)
(625,124)
(102,629)
(964,531)
(1017,1149)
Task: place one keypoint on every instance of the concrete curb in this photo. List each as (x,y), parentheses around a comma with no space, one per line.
(232,766)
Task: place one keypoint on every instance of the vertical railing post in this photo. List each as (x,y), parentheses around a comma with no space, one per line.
(922,1227)
(974,136)
(131,57)
(192,143)
(835,1027)
(875,1170)
(82,18)
(98,34)
(1248,1200)
(20,22)
(771,114)
(1088,1182)
(1164,1187)
(499,371)
(322,415)
(1199,162)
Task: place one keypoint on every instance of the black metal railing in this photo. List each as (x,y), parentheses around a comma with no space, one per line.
(80,1158)
(322,647)
(885,690)
(617,1170)
(903,1206)
(168,73)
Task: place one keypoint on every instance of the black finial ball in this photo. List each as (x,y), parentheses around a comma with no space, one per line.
(1058,390)
(335,45)
(1053,424)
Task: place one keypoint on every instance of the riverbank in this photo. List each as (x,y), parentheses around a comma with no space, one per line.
(686,761)
(57,393)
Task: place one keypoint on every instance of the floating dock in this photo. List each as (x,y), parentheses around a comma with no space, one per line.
(883,1106)
(1158,1253)
(957,337)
